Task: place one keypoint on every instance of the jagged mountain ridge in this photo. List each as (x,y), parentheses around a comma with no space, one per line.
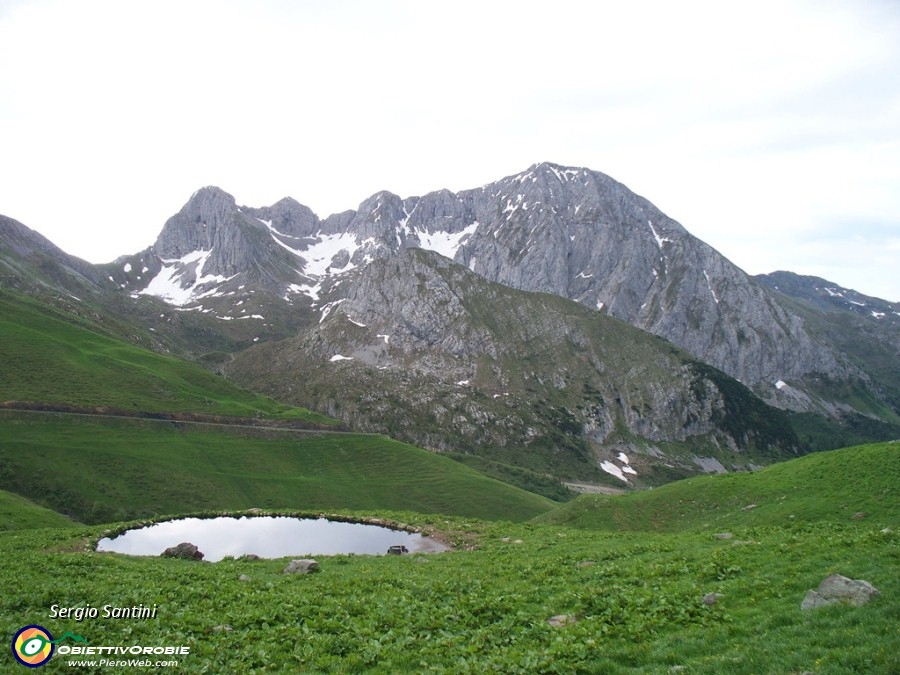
(831,297)
(572,232)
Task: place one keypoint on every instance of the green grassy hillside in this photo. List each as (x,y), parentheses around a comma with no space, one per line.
(18,513)
(113,469)
(46,358)
(861,482)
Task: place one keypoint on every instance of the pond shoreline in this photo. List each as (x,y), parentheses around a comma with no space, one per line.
(273,535)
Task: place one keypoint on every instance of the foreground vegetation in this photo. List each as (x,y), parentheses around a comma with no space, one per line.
(635,603)
(633,600)
(629,574)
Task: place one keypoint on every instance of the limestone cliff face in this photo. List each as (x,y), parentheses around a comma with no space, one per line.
(439,356)
(865,330)
(581,235)
(211,229)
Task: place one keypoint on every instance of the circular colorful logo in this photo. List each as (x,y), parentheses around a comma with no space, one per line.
(33,646)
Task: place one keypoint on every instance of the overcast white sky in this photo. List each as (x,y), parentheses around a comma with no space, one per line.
(771,129)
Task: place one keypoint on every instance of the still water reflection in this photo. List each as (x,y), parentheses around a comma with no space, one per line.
(267,537)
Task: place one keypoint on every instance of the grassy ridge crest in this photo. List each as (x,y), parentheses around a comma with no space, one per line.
(861,482)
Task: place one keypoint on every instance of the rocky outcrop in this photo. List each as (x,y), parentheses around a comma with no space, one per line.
(443,358)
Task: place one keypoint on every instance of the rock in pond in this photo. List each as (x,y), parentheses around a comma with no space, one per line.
(185,550)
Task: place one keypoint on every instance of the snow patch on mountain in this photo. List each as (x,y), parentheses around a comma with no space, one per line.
(180,279)
(614,469)
(319,255)
(564,175)
(311,291)
(326,309)
(445,243)
(711,289)
(659,240)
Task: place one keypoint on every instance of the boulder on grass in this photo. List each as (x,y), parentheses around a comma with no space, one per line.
(302,566)
(184,550)
(562,620)
(838,588)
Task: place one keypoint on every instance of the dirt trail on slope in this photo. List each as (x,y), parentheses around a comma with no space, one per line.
(594,488)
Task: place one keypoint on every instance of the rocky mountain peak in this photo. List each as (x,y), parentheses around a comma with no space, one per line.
(206,216)
(378,217)
(287,216)
(568,231)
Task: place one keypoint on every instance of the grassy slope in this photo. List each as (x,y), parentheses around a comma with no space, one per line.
(115,469)
(44,357)
(18,513)
(827,486)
